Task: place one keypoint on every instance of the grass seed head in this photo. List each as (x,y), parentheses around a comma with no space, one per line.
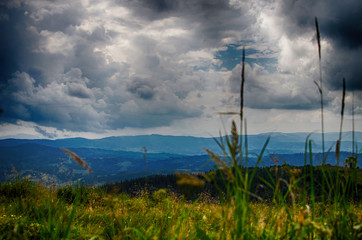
(76,158)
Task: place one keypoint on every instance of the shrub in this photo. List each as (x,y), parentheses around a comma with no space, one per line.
(18,188)
(159,196)
(85,193)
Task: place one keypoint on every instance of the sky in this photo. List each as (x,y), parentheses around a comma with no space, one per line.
(93,69)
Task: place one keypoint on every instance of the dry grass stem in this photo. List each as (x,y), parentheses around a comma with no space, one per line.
(242,86)
(76,158)
(338,145)
(320,85)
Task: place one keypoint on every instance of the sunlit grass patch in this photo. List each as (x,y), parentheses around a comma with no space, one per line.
(162,216)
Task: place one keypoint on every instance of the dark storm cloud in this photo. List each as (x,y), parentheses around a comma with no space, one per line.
(159,5)
(212,20)
(339,20)
(54,105)
(78,90)
(143,88)
(340,23)
(22,27)
(93,64)
(23,47)
(37,80)
(14,41)
(53,73)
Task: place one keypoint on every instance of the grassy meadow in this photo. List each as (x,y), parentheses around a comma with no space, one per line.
(32,211)
(309,202)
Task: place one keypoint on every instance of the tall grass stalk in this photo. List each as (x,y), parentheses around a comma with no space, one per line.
(353,137)
(236,181)
(320,86)
(339,141)
(242,85)
(338,144)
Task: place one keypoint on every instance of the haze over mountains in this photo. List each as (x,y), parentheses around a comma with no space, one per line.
(120,158)
(185,145)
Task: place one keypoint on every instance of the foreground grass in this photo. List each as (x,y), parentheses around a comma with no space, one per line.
(31,211)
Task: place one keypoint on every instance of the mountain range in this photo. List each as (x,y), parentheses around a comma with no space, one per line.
(119,158)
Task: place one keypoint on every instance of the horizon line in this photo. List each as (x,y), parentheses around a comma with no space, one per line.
(34,137)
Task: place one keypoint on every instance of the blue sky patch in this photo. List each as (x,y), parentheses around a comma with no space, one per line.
(233,56)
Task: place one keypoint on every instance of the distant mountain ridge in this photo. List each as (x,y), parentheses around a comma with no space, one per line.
(119,158)
(185,145)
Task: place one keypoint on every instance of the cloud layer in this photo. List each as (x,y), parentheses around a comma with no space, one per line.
(96,66)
